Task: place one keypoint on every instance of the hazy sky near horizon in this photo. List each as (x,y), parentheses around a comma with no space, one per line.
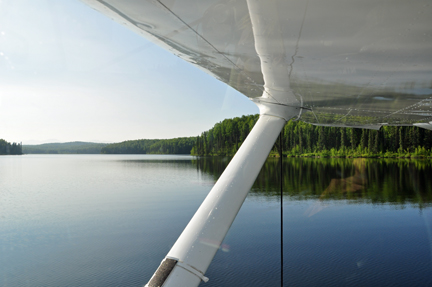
(68,73)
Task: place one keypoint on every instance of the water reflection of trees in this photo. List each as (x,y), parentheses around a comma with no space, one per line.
(376,181)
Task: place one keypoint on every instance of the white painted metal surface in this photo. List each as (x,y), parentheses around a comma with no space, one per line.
(350,63)
(197,245)
(269,44)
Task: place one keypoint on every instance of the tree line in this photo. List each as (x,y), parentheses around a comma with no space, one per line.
(303,139)
(298,139)
(151,146)
(7,148)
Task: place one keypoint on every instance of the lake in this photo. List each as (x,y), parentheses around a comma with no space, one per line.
(109,220)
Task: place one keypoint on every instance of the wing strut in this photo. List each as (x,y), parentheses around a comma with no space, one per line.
(191,255)
(189,258)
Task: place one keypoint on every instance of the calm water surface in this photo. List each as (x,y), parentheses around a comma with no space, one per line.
(109,220)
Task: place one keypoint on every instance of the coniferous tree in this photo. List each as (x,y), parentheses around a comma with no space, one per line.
(343,137)
(364,139)
(321,138)
(401,139)
(376,146)
(370,140)
(300,140)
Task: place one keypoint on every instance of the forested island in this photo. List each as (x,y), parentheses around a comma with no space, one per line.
(7,148)
(303,139)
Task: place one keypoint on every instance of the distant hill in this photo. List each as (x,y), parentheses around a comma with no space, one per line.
(152,146)
(144,146)
(64,148)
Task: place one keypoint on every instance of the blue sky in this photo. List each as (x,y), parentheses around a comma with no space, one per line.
(68,73)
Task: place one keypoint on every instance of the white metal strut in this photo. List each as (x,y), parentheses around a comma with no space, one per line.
(197,245)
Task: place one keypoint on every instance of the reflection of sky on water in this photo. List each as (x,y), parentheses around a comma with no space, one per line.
(91,220)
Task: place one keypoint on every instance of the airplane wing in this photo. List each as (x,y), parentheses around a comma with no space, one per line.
(327,62)
(350,63)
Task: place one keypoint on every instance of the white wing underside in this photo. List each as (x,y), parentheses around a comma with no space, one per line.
(349,63)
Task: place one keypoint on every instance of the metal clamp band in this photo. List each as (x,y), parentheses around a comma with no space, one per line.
(193,270)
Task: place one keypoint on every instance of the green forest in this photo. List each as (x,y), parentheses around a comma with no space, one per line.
(153,146)
(303,139)
(7,148)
